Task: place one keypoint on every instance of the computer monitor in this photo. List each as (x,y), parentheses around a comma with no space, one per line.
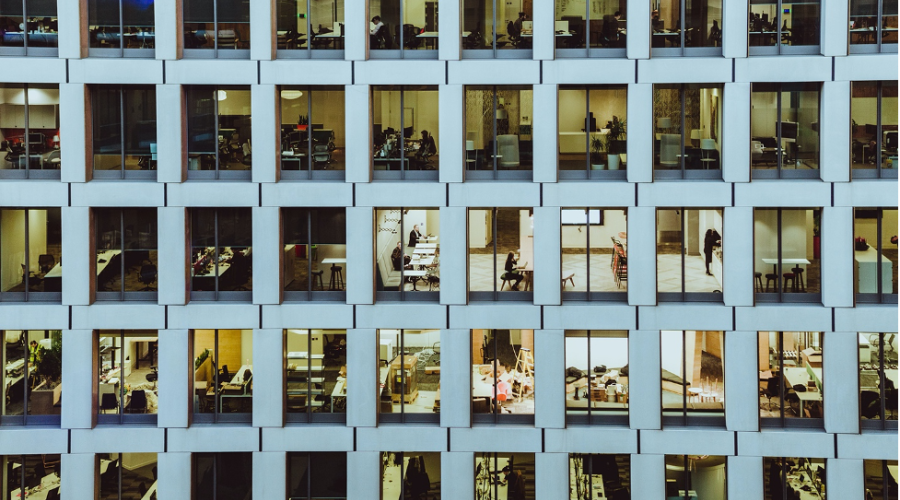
(788,130)
(527,25)
(36,138)
(890,140)
(408,132)
(590,123)
(561,26)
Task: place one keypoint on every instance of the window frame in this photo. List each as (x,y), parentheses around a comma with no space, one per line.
(25,49)
(495,173)
(309,416)
(148,174)
(214,52)
(588,295)
(403,417)
(684,295)
(217,416)
(780,171)
(220,172)
(401,294)
(800,422)
(26,418)
(404,172)
(780,48)
(309,52)
(878,172)
(881,422)
(620,174)
(781,296)
(588,50)
(682,50)
(306,170)
(883,294)
(403,52)
(122,294)
(683,173)
(692,418)
(28,172)
(27,295)
(311,295)
(491,51)
(525,295)
(879,46)
(496,416)
(217,294)
(597,416)
(121,51)
(120,417)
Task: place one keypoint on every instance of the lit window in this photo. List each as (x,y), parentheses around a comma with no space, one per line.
(698,32)
(873,129)
(410,375)
(124,476)
(689,254)
(693,377)
(223,375)
(406,475)
(32,378)
(303,26)
(316,375)
(498,143)
(873,26)
(315,253)
(221,255)
(875,254)
(879,479)
(494,28)
(784,27)
(784,124)
(500,476)
(312,133)
(791,477)
(218,132)
(501,253)
(127,387)
(696,476)
(406,143)
(127,255)
(606,36)
(35,30)
(398,26)
(597,377)
(31,245)
(787,255)
(503,376)
(33,150)
(790,379)
(592,132)
(407,254)
(878,380)
(688,137)
(36,475)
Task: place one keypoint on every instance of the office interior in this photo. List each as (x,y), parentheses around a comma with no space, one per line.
(221,251)
(315,250)
(498,128)
(874,252)
(312,128)
(790,375)
(700,477)
(126,247)
(410,475)
(221,475)
(410,371)
(596,476)
(878,376)
(127,366)
(127,476)
(880,479)
(225,25)
(786,241)
(218,128)
(588,23)
(701,22)
(493,483)
(793,477)
(37,475)
(798,23)
(864,22)
(29,23)
(503,372)
(497,237)
(407,249)
(121,24)
(592,127)
(317,475)
(32,373)
(123,123)
(400,117)
(480,32)
(596,372)
(788,113)
(594,250)
(30,250)
(419,20)
(873,117)
(34,144)
(688,125)
(693,373)
(316,371)
(689,251)
(223,376)
(309,24)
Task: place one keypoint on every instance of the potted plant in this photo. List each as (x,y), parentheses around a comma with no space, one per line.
(302,123)
(597,148)
(48,370)
(614,140)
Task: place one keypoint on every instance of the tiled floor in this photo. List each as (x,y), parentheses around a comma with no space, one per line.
(668,274)
(601,274)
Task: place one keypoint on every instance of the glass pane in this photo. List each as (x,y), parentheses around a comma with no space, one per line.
(889,21)
(13,20)
(703,23)
(608,105)
(104,27)
(384,27)
(138,20)
(593,475)
(299,476)
(295,127)
(479,142)
(705,371)
(513,116)
(478,25)
(871,384)
(389,133)
(109,249)
(703,241)
(501,476)
(291,24)
(665,19)
(515,228)
(140,127)
(574,143)
(235,253)
(670,249)
(674,384)
(13,248)
(43,128)
(570,23)
(205,371)
(800,126)
(234,24)
(703,127)
(14,378)
(864,22)
(575,251)
(792,477)
(667,118)
(199,24)
(327,21)
(878,484)
(297,252)
(45,372)
(107,127)
(328,475)
(42,23)
(412,383)
(328,131)
(864,123)
(234,476)
(420,25)
(801,20)
(235,359)
(234,129)
(695,476)
(203,244)
(889,124)
(201,109)
(141,264)
(763,23)
(138,475)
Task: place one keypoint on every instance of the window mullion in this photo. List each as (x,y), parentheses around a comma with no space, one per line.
(588,261)
(121,93)
(27,271)
(27,124)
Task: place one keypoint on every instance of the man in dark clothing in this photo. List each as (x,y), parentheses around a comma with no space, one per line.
(611,28)
(515,484)
(710,242)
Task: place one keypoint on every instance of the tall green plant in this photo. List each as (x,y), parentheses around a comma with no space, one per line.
(617,132)
(49,361)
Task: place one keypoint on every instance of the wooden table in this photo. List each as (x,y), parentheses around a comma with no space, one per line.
(796,375)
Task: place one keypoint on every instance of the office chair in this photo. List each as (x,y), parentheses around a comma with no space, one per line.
(46,262)
(410,36)
(108,402)
(138,402)
(772,390)
(227,39)
(321,156)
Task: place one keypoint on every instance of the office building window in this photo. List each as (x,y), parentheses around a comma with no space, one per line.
(491,28)
(688,134)
(126,253)
(222,475)
(403,29)
(31,28)
(499,476)
(873,128)
(790,379)
(30,254)
(410,370)
(689,254)
(218,132)
(693,377)
(784,27)
(503,376)
(407,254)
(118,28)
(501,253)
(37,475)
(875,254)
(696,476)
(315,253)
(32,377)
(123,122)
(593,29)
(223,376)
(873,26)
(221,255)
(597,377)
(310,29)
(786,247)
(317,475)
(498,133)
(878,380)
(686,27)
(316,375)
(784,129)
(594,256)
(599,476)
(312,133)
(218,29)
(410,475)
(127,389)
(125,476)
(791,477)
(405,132)
(592,132)
(29,131)
(880,483)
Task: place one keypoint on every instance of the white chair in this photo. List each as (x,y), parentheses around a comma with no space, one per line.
(508,149)
(707,145)
(669,149)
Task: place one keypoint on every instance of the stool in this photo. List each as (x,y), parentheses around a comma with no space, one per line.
(504,282)
(570,278)
(317,278)
(337,278)
(801,283)
(771,277)
(757,282)
(789,277)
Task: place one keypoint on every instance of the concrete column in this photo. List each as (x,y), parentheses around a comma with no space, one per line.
(454,256)
(78,280)
(74,124)
(551,472)
(737,256)
(356,37)
(547,256)
(642,248)
(358,123)
(266,133)
(741,382)
(461,467)
(365,469)
(645,404)
(360,255)
(268,271)
(72,24)
(167,15)
(736,143)
(835,148)
(268,378)
(544,40)
(745,477)
(835,34)
(362,379)
(450,31)
(173,278)
(456,390)
(171,129)
(734,30)
(79,407)
(640,118)
(451,102)
(545,124)
(648,475)
(845,479)
(78,476)
(270,473)
(174,475)
(840,371)
(638,12)
(176,390)
(550,383)
(262,31)
(837,261)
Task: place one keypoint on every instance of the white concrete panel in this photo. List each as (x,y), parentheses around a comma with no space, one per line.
(545,126)
(268,251)
(456,389)
(358,125)
(212,72)
(835,148)
(79,405)
(782,69)
(454,255)
(737,256)
(311,72)
(864,67)
(684,194)
(172,278)
(860,193)
(837,261)
(587,194)
(72,37)
(33,194)
(449,27)
(38,69)
(478,194)
(115,315)
(689,316)
(845,479)
(209,438)
(175,378)
(588,71)
(495,315)
(547,256)
(544,34)
(20,440)
(493,72)
(870,445)
(338,438)
(121,71)
(638,32)
(511,439)
(461,467)
(640,130)
(266,133)
(682,69)
(736,143)
(270,474)
(356,30)
(834,35)
(74,130)
(307,194)
(78,283)
(744,477)
(648,476)
(590,316)
(174,476)
(644,406)
(360,256)
(451,103)
(118,193)
(741,382)
(36,316)
(734,30)
(209,314)
(78,472)
(171,134)
(404,315)
(782,317)
(866,318)
(262,31)
(687,441)
(401,437)
(784,443)
(550,383)
(551,471)
(213,194)
(362,377)
(777,193)
(384,194)
(122,439)
(167,16)
(591,439)
(365,469)
(308,315)
(268,378)
(642,248)
(841,365)
(392,72)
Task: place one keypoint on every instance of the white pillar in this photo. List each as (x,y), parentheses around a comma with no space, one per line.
(167,15)
(364,467)
(72,23)
(173,278)
(456,390)
(451,103)
(266,132)
(461,467)
(736,143)
(74,124)
(547,256)
(648,476)
(835,33)
(176,391)
(645,404)
(642,248)
(454,255)
(640,122)
(638,14)
(78,282)
(449,31)
(79,407)
(845,479)
(734,30)
(268,378)
(356,35)
(360,255)
(544,39)
(358,123)
(737,256)
(745,478)
(262,31)
(741,382)
(550,383)
(78,475)
(545,126)
(171,164)
(840,370)
(174,472)
(837,261)
(268,250)
(270,473)
(362,378)
(835,116)
(551,471)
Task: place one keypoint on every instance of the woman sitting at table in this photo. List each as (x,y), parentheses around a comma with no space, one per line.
(512,272)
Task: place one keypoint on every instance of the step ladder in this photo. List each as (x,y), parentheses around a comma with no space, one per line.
(525,367)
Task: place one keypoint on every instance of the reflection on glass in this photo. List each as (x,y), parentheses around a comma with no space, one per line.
(37,475)
(596,373)
(218,476)
(503,372)
(106,29)
(315,242)
(503,113)
(786,252)
(313,476)
(878,376)
(124,127)
(693,373)
(500,476)
(592,127)
(695,476)
(305,24)
(32,375)
(591,476)
(411,475)
(225,25)
(501,250)
(127,365)
(218,128)
(873,125)
(788,360)
(30,250)
(689,251)
(408,361)
(316,371)
(221,256)
(405,127)
(312,128)
(784,126)
(773,23)
(791,477)
(223,376)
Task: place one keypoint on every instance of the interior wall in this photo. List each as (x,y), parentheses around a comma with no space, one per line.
(614,222)
(868,229)
(612,352)
(12,244)
(236,103)
(763,114)
(671,343)
(709,482)
(479,228)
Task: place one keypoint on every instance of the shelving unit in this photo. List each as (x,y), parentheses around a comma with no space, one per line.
(306,371)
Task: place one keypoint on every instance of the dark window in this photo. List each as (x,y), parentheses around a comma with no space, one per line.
(784,27)
(30,123)
(218,126)
(126,253)
(594,257)
(219,28)
(119,28)
(316,375)
(606,475)
(222,476)
(689,264)
(873,26)
(313,476)
(30,28)
(221,255)
(32,379)
(124,131)
(30,254)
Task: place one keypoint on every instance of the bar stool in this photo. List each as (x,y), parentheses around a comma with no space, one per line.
(801,283)
(317,278)
(757,278)
(771,277)
(790,277)
(337,278)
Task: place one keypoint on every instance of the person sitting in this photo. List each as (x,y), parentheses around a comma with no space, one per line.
(427,147)
(512,272)
(397,257)
(378,34)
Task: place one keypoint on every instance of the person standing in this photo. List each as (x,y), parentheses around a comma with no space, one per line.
(515,484)
(611,28)
(414,236)
(710,242)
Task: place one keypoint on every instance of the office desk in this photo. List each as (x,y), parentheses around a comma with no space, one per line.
(150,492)
(426,245)
(335,260)
(762,38)
(794,376)
(391,163)
(866,271)
(422,260)
(35,38)
(424,251)
(334,37)
(41,491)
(429,36)
(238,379)
(53,278)
(774,263)
(293,161)
(340,391)
(558,33)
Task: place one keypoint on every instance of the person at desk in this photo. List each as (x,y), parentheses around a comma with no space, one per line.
(378,34)
(710,242)
(515,484)
(611,28)
(427,147)
(715,34)
(654,21)
(512,271)
(414,236)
